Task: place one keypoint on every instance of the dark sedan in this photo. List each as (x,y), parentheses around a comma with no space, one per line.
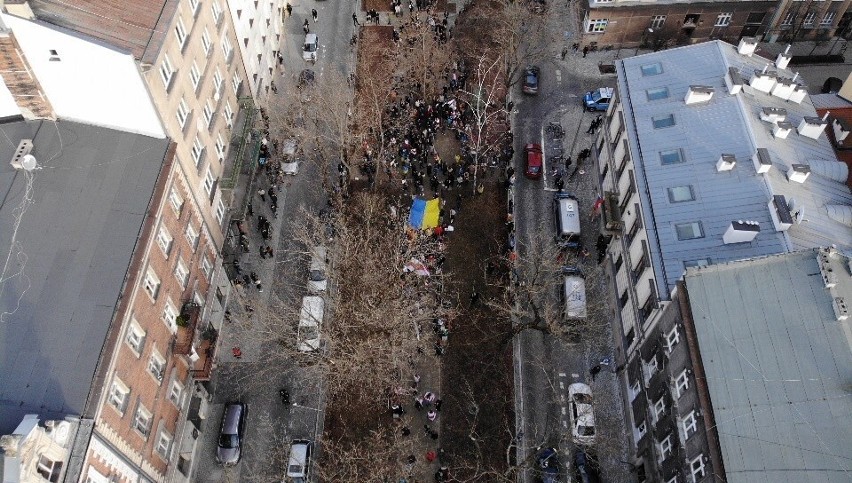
(531,75)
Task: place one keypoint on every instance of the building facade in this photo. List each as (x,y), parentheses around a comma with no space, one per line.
(707,155)
(258,27)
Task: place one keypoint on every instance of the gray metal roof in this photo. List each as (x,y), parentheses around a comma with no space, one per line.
(72,248)
(778,366)
(727,124)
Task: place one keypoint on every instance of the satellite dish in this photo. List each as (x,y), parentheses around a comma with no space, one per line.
(28,162)
(799,214)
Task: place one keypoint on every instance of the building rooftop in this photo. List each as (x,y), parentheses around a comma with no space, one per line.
(136,27)
(80,217)
(675,145)
(840,109)
(778,364)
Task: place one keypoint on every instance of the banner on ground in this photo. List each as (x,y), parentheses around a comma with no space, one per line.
(424,214)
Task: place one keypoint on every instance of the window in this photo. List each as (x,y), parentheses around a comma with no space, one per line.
(193,6)
(696,466)
(672,338)
(194,75)
(701,262)
(634,390)
(220,211)
(665,447)
(156,366)
(182,113)
(206,42)
(191,236)
(176,200)
(48,469)
(170,316)
(220,147)
(641,430)
(206,267)
(229,114)
(135,337)
(209,181)
(236,81)
(142,421)
(197,151)
(208,112)
(217,12)
(152,283)
(657,22)
(166,71)
(657,93)
(164,240)
(723,20)
(218,80)
(227,49)
(755,18)
(164,444)
(597,26)
(672,156)
(827,20)
(690,425)
(809,19)
(681,383)
(652,69)
(651,367)
(119,394)
(689,231)
(180,33)
(176,393)
(659,408)
(679,194)
(181,273)
(661,122)
(788,19)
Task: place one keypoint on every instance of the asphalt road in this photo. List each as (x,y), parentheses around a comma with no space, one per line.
(271,425)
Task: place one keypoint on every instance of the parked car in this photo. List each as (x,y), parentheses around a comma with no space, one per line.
(531,76)
(299,462)
(533,160)
(598,99)
(581,414)
(586,473)
(230,445)
(310,48)
(289,162)
(310,321)
(548,465)
(317,281)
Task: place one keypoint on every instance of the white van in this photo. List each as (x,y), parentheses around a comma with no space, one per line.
(299,462)
(309,50)
(566,216)
(317,281)
(310,320)
(573,293)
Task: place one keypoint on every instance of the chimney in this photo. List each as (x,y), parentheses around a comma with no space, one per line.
(841,130)
(747,46)
(783,88)
(799,94)
(734,81)
(698,94)
(812,127)
(741,232)
(779,211)
(726,162)
(783,58)
(763,80)
(773,114)
(762,161)
(782,129)
(798,172)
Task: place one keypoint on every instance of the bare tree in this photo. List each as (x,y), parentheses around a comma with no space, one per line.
(422,57)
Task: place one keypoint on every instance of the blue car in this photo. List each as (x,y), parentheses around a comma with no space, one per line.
(548,465)
(598,99)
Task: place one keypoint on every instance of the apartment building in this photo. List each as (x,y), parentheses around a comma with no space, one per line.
(112,263)
(709,154)
(744,373)
(659,24)
(258,27)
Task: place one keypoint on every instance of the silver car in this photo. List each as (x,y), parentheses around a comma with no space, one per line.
(231,436)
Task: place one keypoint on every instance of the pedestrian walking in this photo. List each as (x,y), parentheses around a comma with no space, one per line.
(432,415)
(594,371)
(355,20)
(438,404)
(262,193)
(237,352)
(564,52)
(269,252)
(289,9)
(431,456)
(592,127)
(262,252)
(314,14)
(428,398)
(306,27)
(585,50)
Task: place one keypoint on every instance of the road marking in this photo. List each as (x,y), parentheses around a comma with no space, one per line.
(565,424)
(562,374)
(550,189)
(575,375)
(558,76)
(561,385)
(573,95)
(563,410)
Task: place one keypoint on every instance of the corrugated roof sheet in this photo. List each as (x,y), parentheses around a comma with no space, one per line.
(728,124)
(778,366)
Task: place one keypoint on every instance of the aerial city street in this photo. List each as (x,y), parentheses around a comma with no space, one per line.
(509,241)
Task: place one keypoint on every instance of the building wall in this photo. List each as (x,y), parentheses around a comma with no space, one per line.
(806,20)
(258,27)
(195,88)
(627,24)
(145,376)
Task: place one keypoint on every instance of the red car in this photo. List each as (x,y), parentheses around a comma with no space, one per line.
(533,169)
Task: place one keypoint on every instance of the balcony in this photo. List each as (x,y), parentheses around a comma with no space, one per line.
(187,321)
(612,212)
(206,352)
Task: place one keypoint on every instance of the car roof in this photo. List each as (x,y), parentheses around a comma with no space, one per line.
(311,38)
(231,418)
(585,415)
(579,388)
